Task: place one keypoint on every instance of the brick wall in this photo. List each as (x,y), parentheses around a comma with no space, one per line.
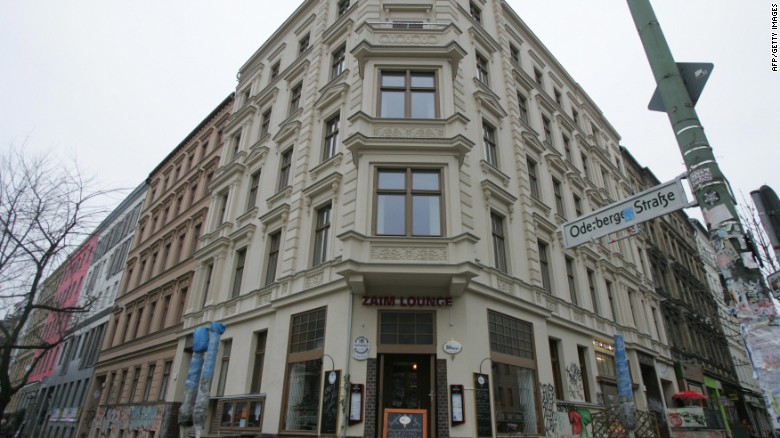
(371,399)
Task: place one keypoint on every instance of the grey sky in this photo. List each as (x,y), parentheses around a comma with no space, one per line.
(118,84)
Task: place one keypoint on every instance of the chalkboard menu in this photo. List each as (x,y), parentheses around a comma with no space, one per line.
(330,401)
(482,405)
(405,423)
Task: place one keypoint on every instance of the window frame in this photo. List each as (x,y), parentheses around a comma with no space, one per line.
(338,60)
(491,145)
(544,264)
(498,233)
(408,90)
(409,193)
(483,73)
(332,137)
(533,177)
(305,355)
(571,276)
(272,259)
(322,231)
(285,166)
(254,188)
(295,98)
(224,365)
(238,272)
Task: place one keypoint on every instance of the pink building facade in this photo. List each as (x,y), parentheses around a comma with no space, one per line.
(67,295)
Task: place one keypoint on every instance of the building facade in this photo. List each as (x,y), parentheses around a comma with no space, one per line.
(129,392)
(384,231)
(70,380)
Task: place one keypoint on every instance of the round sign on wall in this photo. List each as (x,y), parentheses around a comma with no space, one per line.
(452,347)
(360,348)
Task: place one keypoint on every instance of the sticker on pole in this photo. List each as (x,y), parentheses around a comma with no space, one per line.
(651,203)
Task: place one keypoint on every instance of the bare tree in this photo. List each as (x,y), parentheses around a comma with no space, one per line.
(47,208)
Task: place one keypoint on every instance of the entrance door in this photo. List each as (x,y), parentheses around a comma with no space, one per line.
(406,382)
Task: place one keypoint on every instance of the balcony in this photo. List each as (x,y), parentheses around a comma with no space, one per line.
(380,265)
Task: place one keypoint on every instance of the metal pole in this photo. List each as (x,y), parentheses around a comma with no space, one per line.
(749,296)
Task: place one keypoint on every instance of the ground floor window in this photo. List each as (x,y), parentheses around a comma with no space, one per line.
(514,399)
(303,379)
(303,395)
(241,414)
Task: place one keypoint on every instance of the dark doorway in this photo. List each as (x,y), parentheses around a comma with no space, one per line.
(406,382)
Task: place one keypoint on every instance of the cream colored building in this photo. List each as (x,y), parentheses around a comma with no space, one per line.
(387,206)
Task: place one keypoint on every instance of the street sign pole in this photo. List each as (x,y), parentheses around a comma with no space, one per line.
(749,296)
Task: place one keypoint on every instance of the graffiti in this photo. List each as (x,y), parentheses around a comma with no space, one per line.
(576,390)
(579,420)
(548,408)
(141,417)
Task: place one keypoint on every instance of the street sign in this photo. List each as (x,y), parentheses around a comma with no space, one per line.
(651,203)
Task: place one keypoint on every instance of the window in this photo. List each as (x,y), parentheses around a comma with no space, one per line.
(257,370)
(558,96)
(207,283)
(575,116)
(134,386)
(408,202)
(547,128)
(339,59)
(577,205)
(533,180)
(239,273)
(182,303)
(193,194)
(482,69)
(514,54)
(489,137)
(284,170)
(138,320)
(241,414)
(567,148)
(227,345)
(331,137)
(195,238)
(605,178)
(273,257)
(121,386)
(544,266)
(557,192)
(522,103)
(538,77)
(407,94)
(275,70)
(303,44)
(476,12)
(236,142)
(572,280)
(245,95)
(406,328)
(295,98)
(265,123)
(513,361)
(611,299)
(254,185)
(322,235)
(166,306)
(592,288)
(582,353)
(304,371)
(343,6)
(555,361)
(223,204)
(149,379)
(585,171)
(499,250)
(165,378)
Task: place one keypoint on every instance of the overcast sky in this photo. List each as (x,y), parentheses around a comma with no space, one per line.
(118,84)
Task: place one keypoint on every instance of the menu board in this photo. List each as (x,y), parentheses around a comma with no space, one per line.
(356,403)
(456,404)
(405,423)
(330,401)
(482,405)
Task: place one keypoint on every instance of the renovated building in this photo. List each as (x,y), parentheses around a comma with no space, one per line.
(134,370)
(384,232)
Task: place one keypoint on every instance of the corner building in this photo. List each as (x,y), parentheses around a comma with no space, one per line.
(384,231)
